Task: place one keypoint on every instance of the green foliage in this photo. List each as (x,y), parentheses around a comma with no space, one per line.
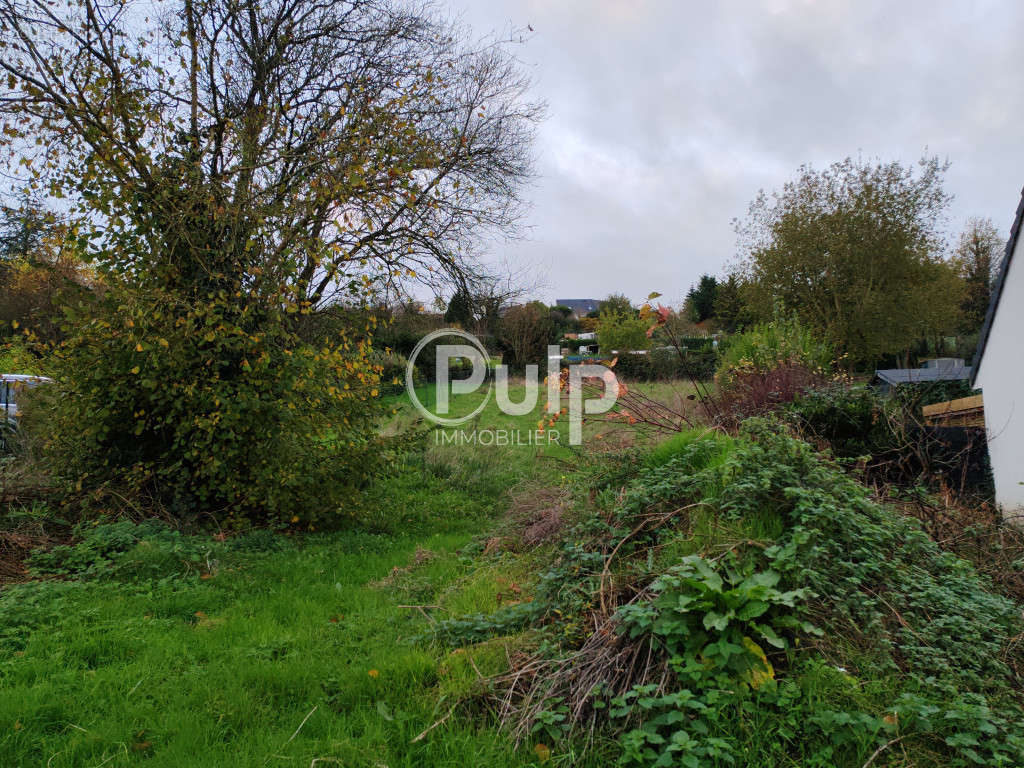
(701,299)
(616,304)
(731,311)
(978,258)
(845,546)
(915,396)
(622,331)
(712,618)
(734,546)
(16,357)
(857,249)
(391,369)
(780,342)
(460,309)
(886,437)
(698,360)
(713,447)
(212,407)
(850,419)
(124,551)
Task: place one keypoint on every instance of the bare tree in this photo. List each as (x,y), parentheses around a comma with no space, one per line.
(285,148)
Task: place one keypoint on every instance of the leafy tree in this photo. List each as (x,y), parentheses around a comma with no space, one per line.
(40,272)
(856,250)
(231,171)
(526,330)
(978,256)
(560,322)
(460,309)
(700,299)
(616,304)
(22,230)
(293,143)
(622,331)
(731,310)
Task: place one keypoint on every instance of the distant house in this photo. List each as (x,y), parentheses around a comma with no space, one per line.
(939,369)
(580,307)
(998,371)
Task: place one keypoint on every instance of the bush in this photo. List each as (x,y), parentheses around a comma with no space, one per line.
(678,613)
(916,396)
(851,420)
(696,363)
(392,369)
(768,366)
(634,367)
(666,364)
(395,363)
(16,357)
(213,408)
(782,342)
(123,550)
(855,422)
(621,331)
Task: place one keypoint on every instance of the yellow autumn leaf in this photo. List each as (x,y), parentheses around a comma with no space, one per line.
(138,347)
(762,671)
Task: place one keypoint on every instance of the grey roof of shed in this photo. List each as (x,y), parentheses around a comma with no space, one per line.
(997,290)
(895,376)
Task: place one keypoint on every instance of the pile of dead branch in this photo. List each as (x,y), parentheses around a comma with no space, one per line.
(14,551)
(609,663)
(538,515)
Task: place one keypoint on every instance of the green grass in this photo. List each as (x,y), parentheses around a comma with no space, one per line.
(223,671)
(293,657)
(309,650)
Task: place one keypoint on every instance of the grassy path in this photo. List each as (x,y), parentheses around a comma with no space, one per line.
(293,653)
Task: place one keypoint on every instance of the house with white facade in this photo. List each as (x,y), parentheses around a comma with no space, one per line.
(998,371)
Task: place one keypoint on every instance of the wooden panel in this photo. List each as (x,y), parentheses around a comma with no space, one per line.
(962,412)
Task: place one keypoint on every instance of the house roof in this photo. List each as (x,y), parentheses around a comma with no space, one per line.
(580,306)
(997,290)
(895,376)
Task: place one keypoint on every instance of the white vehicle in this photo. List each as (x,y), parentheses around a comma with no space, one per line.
(11,386)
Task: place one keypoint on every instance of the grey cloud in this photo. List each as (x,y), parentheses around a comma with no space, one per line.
(666,118)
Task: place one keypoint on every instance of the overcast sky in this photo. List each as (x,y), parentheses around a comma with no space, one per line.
(666,117)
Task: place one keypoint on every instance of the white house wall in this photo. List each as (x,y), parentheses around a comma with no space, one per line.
(1001,378)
